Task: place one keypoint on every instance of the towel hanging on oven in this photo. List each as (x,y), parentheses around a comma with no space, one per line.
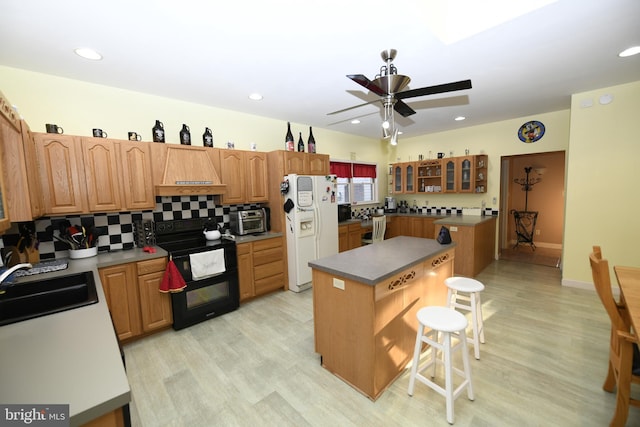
(207,264)
(172,281)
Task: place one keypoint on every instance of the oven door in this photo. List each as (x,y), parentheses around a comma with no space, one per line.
(205,298)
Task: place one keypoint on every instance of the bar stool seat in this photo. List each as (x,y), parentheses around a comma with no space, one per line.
(448,322)
(464,293)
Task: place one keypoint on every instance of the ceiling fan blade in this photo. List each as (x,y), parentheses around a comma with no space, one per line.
(365,82)
(403,109)
(431,90)
(351,108)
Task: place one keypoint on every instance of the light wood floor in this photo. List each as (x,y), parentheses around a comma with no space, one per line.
(543,364)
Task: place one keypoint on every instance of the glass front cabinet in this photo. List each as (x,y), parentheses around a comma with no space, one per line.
(467,174)
(404,178)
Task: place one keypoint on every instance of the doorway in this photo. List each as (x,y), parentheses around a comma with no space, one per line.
(532,188)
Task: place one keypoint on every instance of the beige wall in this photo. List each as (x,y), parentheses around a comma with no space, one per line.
(494,139)
(79,107)
(601,142)
(602,202)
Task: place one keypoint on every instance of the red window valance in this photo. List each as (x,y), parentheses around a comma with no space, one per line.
(340,169)
(364,171)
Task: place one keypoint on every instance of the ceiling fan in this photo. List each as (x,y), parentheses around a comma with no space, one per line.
(388,84)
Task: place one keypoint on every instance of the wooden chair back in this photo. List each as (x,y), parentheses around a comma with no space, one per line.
(379,227)
(621,343)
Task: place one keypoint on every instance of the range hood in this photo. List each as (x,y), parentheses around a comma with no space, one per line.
(187,170)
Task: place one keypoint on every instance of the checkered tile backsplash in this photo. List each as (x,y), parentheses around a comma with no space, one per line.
(118,228)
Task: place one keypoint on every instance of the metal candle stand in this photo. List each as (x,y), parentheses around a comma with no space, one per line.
(525,220)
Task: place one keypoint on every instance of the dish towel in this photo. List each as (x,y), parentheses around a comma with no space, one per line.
(207,264)
(172,281)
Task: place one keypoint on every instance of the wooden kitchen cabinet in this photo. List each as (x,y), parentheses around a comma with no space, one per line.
(429,176)
(300,163)
(466,174)
(246,176)
(137,175)
(101,173)
(343,237)
(61,177)
(136,306)
(119,285)
(155,306)
(404,177)
(261,267)
(8,124)
(475,244)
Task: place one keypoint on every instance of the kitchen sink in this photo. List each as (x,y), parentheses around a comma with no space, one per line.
(24,301)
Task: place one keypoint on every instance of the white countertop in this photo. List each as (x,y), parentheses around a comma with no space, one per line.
(71,357)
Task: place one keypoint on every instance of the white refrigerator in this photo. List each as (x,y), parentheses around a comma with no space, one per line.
(312,225)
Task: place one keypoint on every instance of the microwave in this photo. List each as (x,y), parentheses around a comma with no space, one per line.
(248,222)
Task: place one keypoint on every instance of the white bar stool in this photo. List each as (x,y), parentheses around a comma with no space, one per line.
(470,289)
(448,322)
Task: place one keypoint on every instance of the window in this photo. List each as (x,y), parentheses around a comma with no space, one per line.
(357,182)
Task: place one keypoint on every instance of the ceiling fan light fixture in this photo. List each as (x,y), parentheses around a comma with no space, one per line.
(394,138)
(386,125)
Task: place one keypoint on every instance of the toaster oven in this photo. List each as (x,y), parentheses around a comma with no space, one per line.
(248,222)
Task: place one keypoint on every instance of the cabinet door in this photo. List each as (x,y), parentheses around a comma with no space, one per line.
(257,177)
(318,164)
(137,177)
(480,173)
(102,177)
(155,307)
(343,238)
(233,175)
(450,175)
(409,170)
(62,181)
(295,162)
(355,235)
(465,173)
(397,178)
(35,189)
(245,270)
(120,289)
(16,186)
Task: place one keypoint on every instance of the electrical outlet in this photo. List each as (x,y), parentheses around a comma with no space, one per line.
(494,200)
(453,228)
(537,232)
(337,283)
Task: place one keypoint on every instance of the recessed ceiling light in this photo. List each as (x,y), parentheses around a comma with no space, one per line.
(255,97)
(459,118)
(634,50)
(355,121)
(87,53)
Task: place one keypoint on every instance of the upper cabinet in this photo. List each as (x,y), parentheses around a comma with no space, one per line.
(80,175)
(404,177)
(301,163)
(62,178)
(246,176)
(9,125)
(467,174)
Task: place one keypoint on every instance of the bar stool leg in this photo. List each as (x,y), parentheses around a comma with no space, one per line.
(416,359)
(467,368)
(474,325)
(448,375)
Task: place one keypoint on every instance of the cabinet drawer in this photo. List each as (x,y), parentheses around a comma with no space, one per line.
(261,245)
(151,266)
(266,270)
(269,284)
(267,256)
(411,276)
(243,248)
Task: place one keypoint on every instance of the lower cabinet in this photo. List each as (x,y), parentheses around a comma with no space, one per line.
(349,236)
(135,304)
(260,267)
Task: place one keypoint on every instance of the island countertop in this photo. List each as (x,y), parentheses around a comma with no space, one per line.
(372,263)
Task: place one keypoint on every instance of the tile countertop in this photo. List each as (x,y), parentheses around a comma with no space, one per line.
(72,357)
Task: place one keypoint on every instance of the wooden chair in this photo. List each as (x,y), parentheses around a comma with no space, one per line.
(379,227)
(622,342)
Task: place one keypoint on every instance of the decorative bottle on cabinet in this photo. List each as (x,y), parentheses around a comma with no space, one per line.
(288,140)
(185,135)
(300,143)
(311,144)
(158,132)
(207,138)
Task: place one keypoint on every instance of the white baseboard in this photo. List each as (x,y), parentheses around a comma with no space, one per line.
(540,244)
(587,285)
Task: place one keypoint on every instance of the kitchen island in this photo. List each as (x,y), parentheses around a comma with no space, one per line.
(365,302)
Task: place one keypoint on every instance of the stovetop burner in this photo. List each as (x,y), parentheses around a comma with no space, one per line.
(186,235)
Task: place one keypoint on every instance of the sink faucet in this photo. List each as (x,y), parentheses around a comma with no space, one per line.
(8,272)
